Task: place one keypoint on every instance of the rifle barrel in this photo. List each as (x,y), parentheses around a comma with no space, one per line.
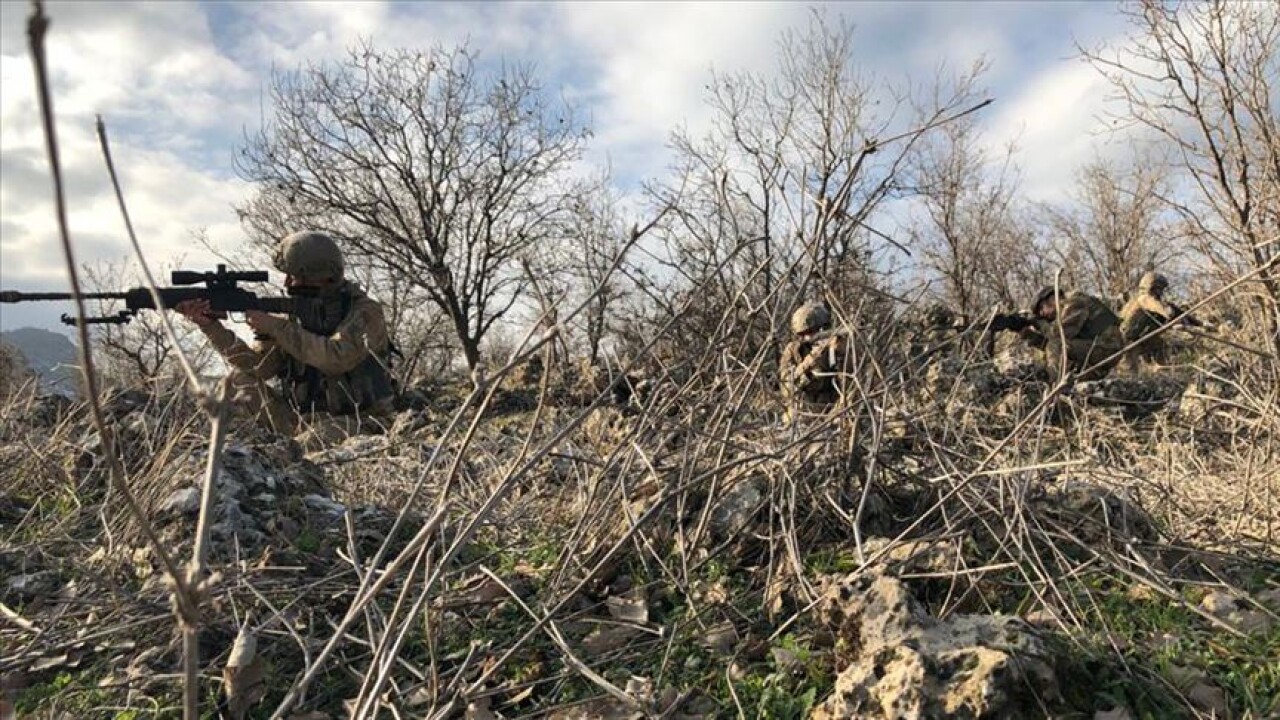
(12,296)
(1224,341)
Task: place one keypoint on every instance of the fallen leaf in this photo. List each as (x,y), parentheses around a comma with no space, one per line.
(419,697)
(1209,698)
(520,697)
(243,679)
(608,638)
(478,709)
(640,689)
(628,609)
(785,660)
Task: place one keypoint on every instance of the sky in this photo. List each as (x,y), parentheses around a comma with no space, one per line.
(178,84)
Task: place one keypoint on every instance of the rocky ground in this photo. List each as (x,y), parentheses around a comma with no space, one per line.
(980,547)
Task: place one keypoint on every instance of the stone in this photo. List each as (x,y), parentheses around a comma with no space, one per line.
(914,556)
(738,505)
(1135,396)
(1270,598)
(126,402)
(1096,515)
(49,410)
(30,586)
(1140,592)
(1199,690)
(1252,622)
(907,664)
(322,504)
(1218,604)
(1209,698)
(184,501)
(1043,617)
(721,639)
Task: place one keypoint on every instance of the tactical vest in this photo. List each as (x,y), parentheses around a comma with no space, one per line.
(1101,320)
(359,389)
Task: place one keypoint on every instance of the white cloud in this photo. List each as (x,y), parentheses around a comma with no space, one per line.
(1055,122)
(651,63)
(177,81)
(153,73)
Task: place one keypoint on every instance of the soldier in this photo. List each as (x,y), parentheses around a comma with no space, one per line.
(1145,312)
(811,361)
(331,370)
(1079,332)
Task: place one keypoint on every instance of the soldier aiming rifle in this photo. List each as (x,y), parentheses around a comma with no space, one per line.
(329,365)
(1075,331)
(812,361)
(1146,312)
(325,347)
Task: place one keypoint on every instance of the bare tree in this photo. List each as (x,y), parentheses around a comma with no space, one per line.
(1117,226)
(1202,76)
(548,292)
(1020,236)
(965,227)
(780,195)
(594,235)
(434,171)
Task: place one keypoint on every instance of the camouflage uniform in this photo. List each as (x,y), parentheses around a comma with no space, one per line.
(933,335)
(1145,312)
(331,368)
(1084,332)
(812,362)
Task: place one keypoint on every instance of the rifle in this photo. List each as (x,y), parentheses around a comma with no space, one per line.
(1181,315)
(220,289)
(1002,322)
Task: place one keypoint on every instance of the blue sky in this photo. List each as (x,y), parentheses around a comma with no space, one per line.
(177,83)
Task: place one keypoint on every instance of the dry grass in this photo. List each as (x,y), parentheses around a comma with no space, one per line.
(543,557)
(537,519)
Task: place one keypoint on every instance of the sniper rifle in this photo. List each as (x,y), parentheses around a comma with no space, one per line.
(221,289)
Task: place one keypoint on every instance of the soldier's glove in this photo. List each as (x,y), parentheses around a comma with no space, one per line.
(802,373)
(817,357)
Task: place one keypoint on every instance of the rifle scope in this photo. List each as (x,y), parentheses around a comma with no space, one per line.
(219,277)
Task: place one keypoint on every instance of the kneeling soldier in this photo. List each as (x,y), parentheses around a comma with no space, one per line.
(330,366)
(812,362)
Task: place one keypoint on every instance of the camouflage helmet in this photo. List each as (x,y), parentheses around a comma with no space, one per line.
(1153,282)
(309,254)
(810,317)
(1046,294)
(937,315)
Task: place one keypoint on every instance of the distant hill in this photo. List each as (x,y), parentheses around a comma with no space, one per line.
(48,354)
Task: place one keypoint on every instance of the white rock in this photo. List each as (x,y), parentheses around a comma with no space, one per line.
(1218,604)
(323,504)
(185,501)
